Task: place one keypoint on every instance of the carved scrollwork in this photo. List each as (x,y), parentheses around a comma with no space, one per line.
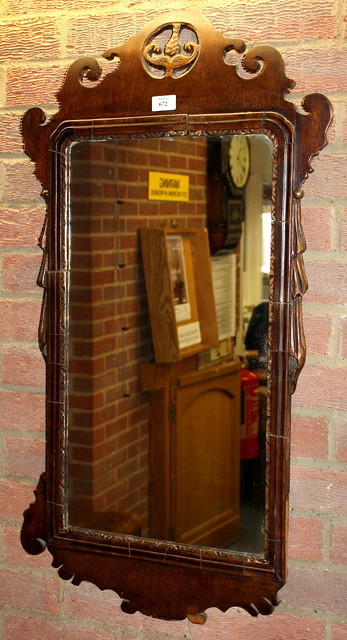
(265,58)
(34,530)
(41,282)
(265,606)
(112,573)
(313,127)
(169,52)
(299,287)
(83,68)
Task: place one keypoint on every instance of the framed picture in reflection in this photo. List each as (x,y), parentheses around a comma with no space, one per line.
(179,292)
(178,277)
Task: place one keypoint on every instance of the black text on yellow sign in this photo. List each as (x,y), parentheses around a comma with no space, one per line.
(168,186)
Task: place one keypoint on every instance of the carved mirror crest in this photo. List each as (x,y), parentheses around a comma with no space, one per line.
(171,322)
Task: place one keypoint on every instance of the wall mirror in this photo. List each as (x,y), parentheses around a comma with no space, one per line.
(171,321)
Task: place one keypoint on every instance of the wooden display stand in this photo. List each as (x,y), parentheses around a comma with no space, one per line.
(179,292)
(194,452)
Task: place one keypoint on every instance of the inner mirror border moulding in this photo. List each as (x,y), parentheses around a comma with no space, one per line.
(178,54)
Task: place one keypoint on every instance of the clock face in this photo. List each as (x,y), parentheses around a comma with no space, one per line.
(239,160)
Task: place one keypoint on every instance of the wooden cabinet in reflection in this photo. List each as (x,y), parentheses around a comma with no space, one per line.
(194,452)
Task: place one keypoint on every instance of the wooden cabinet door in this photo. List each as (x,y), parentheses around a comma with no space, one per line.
(205,457)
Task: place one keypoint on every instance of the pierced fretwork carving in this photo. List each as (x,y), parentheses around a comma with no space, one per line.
(174,57)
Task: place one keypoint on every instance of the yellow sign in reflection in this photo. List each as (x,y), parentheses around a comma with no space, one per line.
(168,186)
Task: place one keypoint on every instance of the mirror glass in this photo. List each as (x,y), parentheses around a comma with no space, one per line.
(115,188)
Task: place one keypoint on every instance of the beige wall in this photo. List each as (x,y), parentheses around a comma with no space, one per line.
(39,39)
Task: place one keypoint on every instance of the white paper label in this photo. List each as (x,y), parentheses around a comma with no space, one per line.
(189,334)
(224,286)
(164,103)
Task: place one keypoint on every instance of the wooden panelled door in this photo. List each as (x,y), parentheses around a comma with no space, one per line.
(205,457)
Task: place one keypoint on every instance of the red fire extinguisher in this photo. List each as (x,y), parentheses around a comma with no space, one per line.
(249,415)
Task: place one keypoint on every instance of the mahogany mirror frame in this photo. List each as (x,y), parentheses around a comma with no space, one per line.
(213,96)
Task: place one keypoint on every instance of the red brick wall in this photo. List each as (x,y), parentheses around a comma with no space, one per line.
(108,422)
(38,40)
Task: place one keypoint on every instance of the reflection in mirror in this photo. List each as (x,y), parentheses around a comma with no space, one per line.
(181,459)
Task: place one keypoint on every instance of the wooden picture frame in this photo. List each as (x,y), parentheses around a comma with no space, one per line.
(183,327)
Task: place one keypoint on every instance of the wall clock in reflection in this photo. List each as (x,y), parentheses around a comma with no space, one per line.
(239,161)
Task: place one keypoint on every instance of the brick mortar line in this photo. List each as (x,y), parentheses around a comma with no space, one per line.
(326,255)
(19,344)
(309,612)
(338,119)
(27,250)
(25,388)
(325,518)
(3,80)
(17,388)
(23,206)
(336,220)
(26,436)
(317,464)
(62,617)
(327,361)
(315,514)
(335,341)
(339,12)
(13,478)
(63,32)
(21,296)
(33,344)
(334,254)
(18,158)
(2,457)
(327,542)
(18,110)
(311,201)
(332,439)
(318,412)
(11,158)
(29,483)
(319,565)
(62,61)
(328,308)
(297,96)
(334,149)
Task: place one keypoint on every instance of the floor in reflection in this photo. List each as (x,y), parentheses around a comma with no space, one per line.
(252,538)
